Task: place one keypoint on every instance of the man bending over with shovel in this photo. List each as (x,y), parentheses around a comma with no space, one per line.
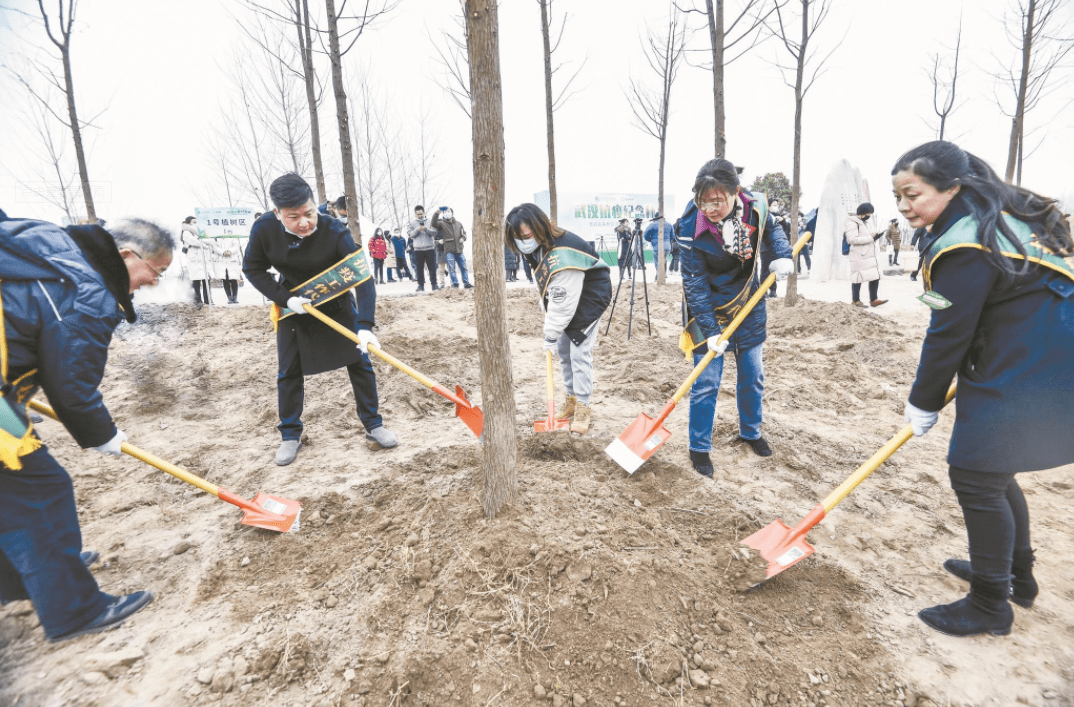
(62,295)
(319,264)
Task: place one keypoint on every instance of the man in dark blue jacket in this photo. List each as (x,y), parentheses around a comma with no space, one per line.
(62,294)
(302,245)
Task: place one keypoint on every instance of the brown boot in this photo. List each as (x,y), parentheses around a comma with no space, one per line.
(567,411)
(877,302)
(582,418)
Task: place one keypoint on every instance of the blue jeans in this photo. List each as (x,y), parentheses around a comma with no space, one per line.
(577,365)
(452,259)
(39,545)
(749,393)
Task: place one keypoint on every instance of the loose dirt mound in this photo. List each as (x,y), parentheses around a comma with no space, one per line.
(594,588)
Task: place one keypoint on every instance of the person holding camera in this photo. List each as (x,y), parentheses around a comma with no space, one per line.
(623,234)
(575,288)
(720,235)
(423,248)
(451,235)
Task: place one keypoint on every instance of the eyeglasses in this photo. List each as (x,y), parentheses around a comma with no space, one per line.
(711,205)
(159,273)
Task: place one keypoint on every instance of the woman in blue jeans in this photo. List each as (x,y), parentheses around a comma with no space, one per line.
(719,239)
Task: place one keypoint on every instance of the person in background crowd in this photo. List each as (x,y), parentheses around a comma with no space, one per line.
(63,293)
(894,239)
(378,249)
(399,250)
(722,229)
(623,233)
(198,260)
(510,263)
(807,226)
(651,239)
(341,208)
(574,288)
(300,245)
(424,249)
(920,242)
(228,265)
(451,235)
(863,263)
(998,268)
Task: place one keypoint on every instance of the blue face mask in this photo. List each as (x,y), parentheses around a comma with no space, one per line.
(526,245)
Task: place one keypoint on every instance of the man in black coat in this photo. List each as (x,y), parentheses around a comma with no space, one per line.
(302,244)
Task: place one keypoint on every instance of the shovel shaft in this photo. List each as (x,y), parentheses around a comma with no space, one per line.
(874,462)
(142,455)
(761,292)
(549,385)
(424,380)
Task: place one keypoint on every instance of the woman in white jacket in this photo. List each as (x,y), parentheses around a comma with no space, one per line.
(864,266)
(197,260)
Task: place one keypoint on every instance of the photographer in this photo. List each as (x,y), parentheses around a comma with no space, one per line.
(424,249)
(651,236)
(451,235)
(623,233)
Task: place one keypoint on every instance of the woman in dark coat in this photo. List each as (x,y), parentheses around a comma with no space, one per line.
(720,235)
(998,275)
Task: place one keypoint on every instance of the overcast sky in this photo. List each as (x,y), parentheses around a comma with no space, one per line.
(157,70)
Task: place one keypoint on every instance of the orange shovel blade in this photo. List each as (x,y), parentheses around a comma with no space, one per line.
(471,416)
(782,546)
(279,513)
(637,443)
(551,424)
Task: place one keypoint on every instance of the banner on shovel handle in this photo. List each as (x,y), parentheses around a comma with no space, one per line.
(333,282)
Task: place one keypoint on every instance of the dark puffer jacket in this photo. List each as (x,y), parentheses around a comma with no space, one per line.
(59,315)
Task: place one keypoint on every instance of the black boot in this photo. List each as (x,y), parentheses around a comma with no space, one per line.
(984,610)
(702,463)
(1023,587)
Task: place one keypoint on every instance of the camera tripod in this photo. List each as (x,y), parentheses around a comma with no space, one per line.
(635,255)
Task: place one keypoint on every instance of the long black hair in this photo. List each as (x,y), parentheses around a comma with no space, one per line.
(943,165)
(532,216)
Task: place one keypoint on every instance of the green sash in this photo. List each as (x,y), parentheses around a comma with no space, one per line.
(563,258)
(333,282)
(964,235)
(691,336)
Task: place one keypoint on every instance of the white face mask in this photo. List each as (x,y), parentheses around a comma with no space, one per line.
(449,214)
(526,245)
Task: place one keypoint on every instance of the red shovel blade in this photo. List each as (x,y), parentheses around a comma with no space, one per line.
(637,443)
(782,546)
(470,414)
(551,424)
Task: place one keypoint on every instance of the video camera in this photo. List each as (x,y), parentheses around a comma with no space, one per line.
(637,224)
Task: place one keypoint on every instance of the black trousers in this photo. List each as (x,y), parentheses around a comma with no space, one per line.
(804,253)
(231,289)
(997,520)
(874,291)
(201,291)
(425,260)
(378,269)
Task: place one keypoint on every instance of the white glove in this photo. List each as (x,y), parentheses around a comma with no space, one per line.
(113,446)
(921,420)
(716,345)
(782,267)
(295,304)
(365,338)
(552,346)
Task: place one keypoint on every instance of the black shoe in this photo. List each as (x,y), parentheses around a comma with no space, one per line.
(467,286)
(702,463)
(394,280)
(117,611)
(983,610)
(421,288)
(89,557)
(759,446)
(913,277)
(1023,591)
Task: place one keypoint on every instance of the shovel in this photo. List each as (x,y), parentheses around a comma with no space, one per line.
(464,409)
(265,511)
(782,546)
(551,424)
(645,435)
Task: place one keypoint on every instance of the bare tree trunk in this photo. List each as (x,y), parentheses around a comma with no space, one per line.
(791,297)
(661,257)
(1018,122)
(553,208)
(716,36)
(76,133)
(305,48)
(343,119)
(500,479)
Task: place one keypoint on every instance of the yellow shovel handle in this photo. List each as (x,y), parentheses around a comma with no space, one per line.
(874,461)
(551,385)
(742,314)
(427,382)
(144,456)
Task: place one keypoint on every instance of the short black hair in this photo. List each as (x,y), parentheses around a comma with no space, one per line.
(290,191)
(341,203)
(865,208)
(418,208)
(189,219)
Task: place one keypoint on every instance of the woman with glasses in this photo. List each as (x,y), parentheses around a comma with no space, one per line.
(720,235)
